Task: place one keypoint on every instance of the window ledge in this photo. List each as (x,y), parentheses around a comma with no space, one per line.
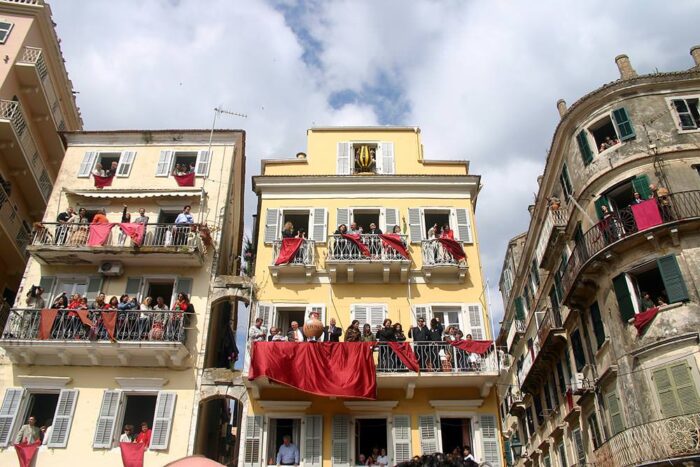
(43,382)
(682,131)
(604,346)
(661,310)
(141,383)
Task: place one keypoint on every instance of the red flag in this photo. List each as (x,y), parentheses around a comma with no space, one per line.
(98,234)
(453,247)
(109,320)
(646,214)
(185,180)
(26,452)
(134,230)
(645,317)
(289,248)
(83,315)
(405,353)
(472,346)
(333,369)
(101,182)
(357,240)
(394,242)
(132,454)
(46,319)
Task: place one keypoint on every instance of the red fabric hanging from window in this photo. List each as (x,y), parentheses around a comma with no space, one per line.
(98,234)
(26,453)
(185,180)
(405,353)
(101,182)
(645,317)
(46,319)
(453,247)
(135,231)
(646,214)
(357,240)
(132,454)
(288,250)
(472,346)
(394,242)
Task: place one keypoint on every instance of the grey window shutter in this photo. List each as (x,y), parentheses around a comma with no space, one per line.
(313,440)
(203,163)
(342,216)
(344,158)
(94,286)
(47,283)
(401,434)
(320,225)
(163,420)
(415,225)
(87,164)
(340,455)
(421,311)
(184,285)
(672,278)
(133,287)
(8,413)
(126,161)
(271,225)
(63,418)
(489,440)
(360,313)
(475,322)
(107,419)
(428,434)
(387,150)
(391,219)
(263,312)
(464,228)
(253,441)
(164,163)
(615,412)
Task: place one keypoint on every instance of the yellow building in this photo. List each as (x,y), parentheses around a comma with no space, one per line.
(36,102)
(374,175)
(155,368)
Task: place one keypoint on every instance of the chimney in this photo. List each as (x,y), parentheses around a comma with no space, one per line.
(561,107)
(695,53)
(625,67)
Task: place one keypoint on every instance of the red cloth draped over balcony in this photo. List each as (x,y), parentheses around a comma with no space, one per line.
(185,180)
(453,247)
(26,452)
(132,454)
(101,182)
(46,319)
(644,318)
(472,346)
(83,315)
(357,240)
(289,248)
(646,214)
(98,234)
(394,242)
(405,353)
(109,320)
(134,231)
(333,369)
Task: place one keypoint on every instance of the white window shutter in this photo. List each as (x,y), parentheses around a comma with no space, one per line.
(63,418)
(421,311)
(87,164)
(344,160)
(107,419)
(476,326)
(391,218)
(401,434)
(342,216)
(253,441)
(318,308)
(164,163)
(202,164)
(272,225)
(360,313)
(415,225)
(489,440)
(9,410)
(320,225)
(377,314)
(464,228)
(341,441)
(163,420)
(264,312)
(126,161)
(428,434)
(313,440)
(387,156)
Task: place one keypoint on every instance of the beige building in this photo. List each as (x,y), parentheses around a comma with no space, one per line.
(601,296)
(36,102)
(157,365)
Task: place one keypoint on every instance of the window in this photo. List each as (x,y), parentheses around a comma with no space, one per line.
(594,430)
(607,132)
(313,221)
(537,400)
(561,451)
(661,279)
(520,311)
(676,390)
(372,157)
(197,161)
(534,275)
(687,113)
(122,161)
(565,181)
(421,220)
(577,346)
(578,446)
(469,318)
(617,422)
(530,420)
(5,29)
(598,327)
(561,377)
(621,195)
(120,408)
(372,314)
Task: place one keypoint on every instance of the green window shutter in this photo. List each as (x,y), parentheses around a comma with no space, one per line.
(617,424)
(561,378)
(686,392)
(623,124)
(519,309)
(557,285)
(624,298)
(601,201)
(673,279)
(665,392)
(509,453)
(640,184)
(598,327)
(584,147)
(566,181)
(577,346)
(535,272)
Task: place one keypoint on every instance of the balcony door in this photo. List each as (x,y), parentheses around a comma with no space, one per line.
(455,433)
(70,287)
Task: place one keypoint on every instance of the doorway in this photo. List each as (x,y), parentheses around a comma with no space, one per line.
(365,217)
(300,221)
(432,217)
(370,435)
(218,425)
(164,288)
(279,428)
(455,433)
(42,407)
(138,409)
(285,316)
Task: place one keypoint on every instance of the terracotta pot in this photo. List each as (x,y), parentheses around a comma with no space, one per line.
(313,328)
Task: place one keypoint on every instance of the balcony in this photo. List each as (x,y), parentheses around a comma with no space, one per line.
(551,237)
(551,339)
(13,227)
(515,332)
(515,402)
(300,269)
(346,263)
(669,442)
(620,233)
(440,264)
(22,155)
(163,244)
(139,340)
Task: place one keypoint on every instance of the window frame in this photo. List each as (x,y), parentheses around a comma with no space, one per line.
(3,38)
(676,116)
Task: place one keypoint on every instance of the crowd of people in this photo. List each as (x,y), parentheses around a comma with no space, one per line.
(100,171)
(376,457)
(142,437)
(459,457)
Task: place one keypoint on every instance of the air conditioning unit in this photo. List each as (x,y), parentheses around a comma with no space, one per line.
(110,269)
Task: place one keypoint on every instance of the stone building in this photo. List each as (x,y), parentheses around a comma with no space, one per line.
(602,312)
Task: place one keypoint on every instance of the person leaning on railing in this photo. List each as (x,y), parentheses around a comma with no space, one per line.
(30,318)
(384,335)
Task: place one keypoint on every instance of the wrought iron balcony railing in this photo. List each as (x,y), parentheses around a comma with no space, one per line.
(131,326)
(342,249)
(620,225)
(434,254)
(304,256)
(439,357)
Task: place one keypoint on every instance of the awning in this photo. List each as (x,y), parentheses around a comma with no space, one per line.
(145,193)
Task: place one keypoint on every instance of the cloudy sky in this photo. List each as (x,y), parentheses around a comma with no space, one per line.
(481,79)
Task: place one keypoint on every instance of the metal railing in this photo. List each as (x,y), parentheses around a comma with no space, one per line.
(437,357)
(342,249)
(304,255)
(10,218)
(620,225)
(131,326)
(554,218)
(72,235)
(655,441)
(434,254)
(34,56)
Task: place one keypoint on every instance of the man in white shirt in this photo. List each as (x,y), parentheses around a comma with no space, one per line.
(288,453)
(182,228)
(295,334)
(382,458)
(257,332)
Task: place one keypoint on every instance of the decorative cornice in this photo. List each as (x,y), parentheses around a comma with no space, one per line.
(141,383)
(371,406)
(456,404)
(287,406)
(43,382)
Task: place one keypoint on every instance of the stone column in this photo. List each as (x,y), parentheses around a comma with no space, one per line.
(695,53)
(625,67)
